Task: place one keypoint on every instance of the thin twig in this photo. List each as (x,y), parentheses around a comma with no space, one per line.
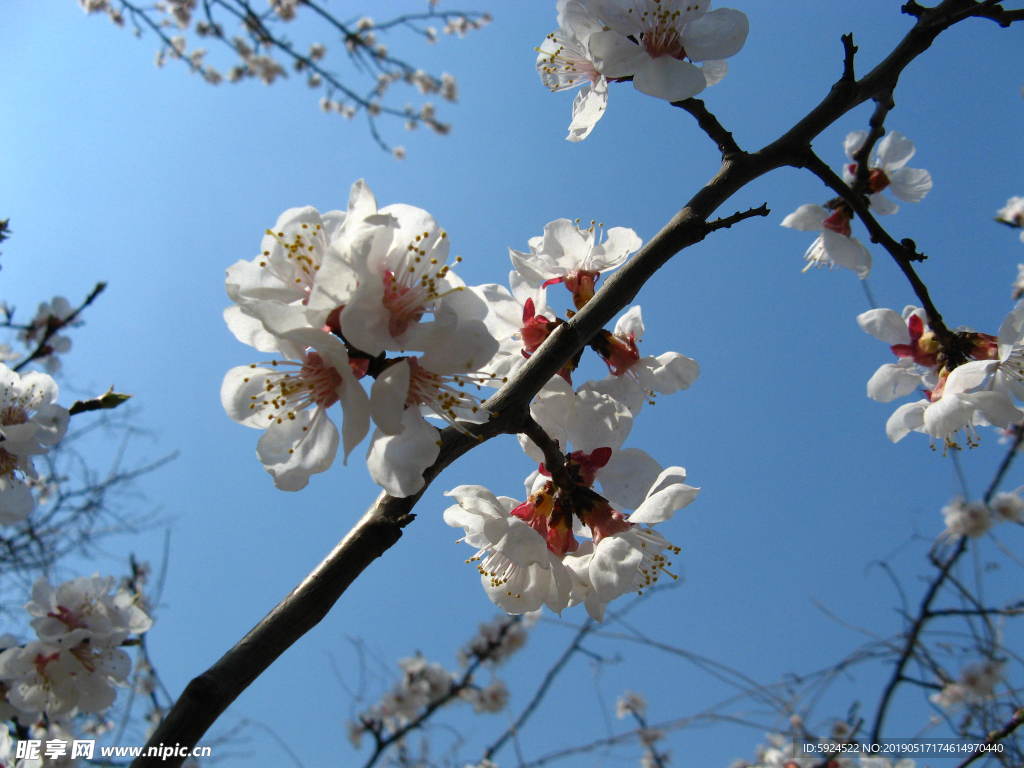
(542,689)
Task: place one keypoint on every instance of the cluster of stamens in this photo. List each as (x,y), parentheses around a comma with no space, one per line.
(566,66)
(444,394)
(415,284)
(302,252)
(315,383)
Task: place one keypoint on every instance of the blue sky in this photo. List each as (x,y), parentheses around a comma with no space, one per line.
(156,182)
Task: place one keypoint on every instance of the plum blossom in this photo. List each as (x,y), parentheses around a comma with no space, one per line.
(520,320)
(912,341)
(966,518)
(1002,368)
(1012,214)
(625,554)
(50,316)
(564,62)
(74,664)
(976,682)
(568,254)
(290,398)
(389,273)
(834,247)
(31,423)
(84,611)
(1008,506)
(656,42)
(633,379)
(956,405)
(887,170)
(287,269)
(46,678)
(529,553)
(434,384)
(974,393)
(517,570)
(497,639)
(630,703)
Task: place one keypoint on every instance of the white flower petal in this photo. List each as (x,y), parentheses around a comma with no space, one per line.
(588,106)
(910,184)
(294,449)
(718,34)
(807,218)
(885,325)
(668,78)
(396,462)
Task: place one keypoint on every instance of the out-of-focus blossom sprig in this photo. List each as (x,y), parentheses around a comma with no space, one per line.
(82,627)
(350,64)
(41,336)
(974,518)
(425,687)
(1012,215)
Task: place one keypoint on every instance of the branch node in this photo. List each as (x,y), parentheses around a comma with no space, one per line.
(849,51)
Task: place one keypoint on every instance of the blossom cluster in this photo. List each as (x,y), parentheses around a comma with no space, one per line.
(567,542)
(370,293)
(259,52)
(887,170)
(669,49)
(957,397)
(974,518)
(77,658)
(975,682)
(31,423)
(424,685)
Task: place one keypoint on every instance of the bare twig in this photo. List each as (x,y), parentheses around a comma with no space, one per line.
(995,737)
(542,689)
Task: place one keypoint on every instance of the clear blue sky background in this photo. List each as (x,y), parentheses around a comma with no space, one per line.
(155,182)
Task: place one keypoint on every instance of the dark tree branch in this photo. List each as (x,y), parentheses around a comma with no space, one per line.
(554,457)
(876,125)
(709,124)
(995,737)
(727,221)
(904,253)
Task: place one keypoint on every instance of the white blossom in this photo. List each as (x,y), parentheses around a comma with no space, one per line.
(887,170)
(31,423)
(659,42)
(1012,214)
(834,247)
